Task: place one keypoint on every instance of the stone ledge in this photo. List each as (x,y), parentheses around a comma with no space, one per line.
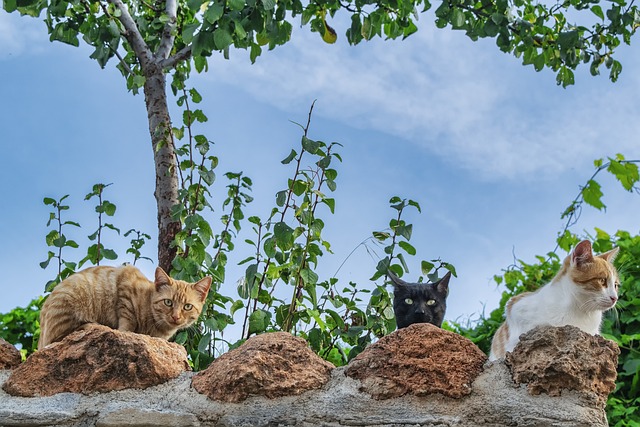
(333,398)
(494,401)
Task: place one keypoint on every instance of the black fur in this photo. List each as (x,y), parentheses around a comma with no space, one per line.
(420,302)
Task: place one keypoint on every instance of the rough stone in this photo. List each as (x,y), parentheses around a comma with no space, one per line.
(550,359)
(97,359)
(496,401)
(9,355)
(418,360)
(271,365)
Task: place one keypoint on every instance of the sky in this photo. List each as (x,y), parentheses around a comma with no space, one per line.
(491,150)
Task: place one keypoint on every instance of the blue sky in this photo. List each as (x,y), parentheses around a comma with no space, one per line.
(492,150)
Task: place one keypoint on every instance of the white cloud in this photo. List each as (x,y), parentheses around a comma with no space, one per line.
(20,34)
(467,102)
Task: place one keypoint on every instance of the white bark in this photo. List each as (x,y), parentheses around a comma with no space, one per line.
(166,191)
(132,34)
(168,34)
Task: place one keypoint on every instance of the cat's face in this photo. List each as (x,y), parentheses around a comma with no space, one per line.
(420,302)
(595,276)
(177,304)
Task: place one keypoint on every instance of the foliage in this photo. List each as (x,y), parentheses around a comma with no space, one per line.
(21,326)
(57,240)
(621,325)
(282,289)
(185,33)
(97,252)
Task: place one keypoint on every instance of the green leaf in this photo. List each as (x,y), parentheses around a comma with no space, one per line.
(402,261)
(259,321)
(109,208)
(64,33)
(281,198)
(331,203)
(283,234)
(310,145)
(269,247)
(626,173)
(237,305)
(309,277)
(597,10)
(407,247)
(592,194)
(299,187)
(415,205)
(109,254)
(289,158)
(426,267)
(203,345)
(457,18)
(268,4)
(213,13)
(235,4)
(9,5)
(181,337)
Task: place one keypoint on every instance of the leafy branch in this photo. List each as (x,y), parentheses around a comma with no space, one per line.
(625,171)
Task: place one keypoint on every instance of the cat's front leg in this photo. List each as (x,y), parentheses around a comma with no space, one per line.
(126,325)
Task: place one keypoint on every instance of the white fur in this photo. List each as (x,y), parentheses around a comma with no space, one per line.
(559,303)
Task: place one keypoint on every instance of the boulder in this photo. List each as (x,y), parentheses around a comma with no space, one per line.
(97,359)
(550,359)
(419,360)
(9,355)
(271,365)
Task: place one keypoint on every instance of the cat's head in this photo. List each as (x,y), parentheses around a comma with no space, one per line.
(420,302)
(595,277)
(177,304)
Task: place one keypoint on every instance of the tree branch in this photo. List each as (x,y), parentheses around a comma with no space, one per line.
(182,55)
(133,35)
(168,35)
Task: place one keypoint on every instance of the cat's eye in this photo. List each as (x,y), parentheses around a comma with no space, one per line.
(408,301)
(431,302)
(188,307)
(168,303)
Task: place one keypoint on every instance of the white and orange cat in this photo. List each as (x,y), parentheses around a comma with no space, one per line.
(584,288)
(124,299)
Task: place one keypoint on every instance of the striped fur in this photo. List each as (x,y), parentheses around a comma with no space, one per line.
(583,289)
(121,298)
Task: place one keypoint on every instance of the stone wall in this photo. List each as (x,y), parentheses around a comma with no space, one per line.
(420,375)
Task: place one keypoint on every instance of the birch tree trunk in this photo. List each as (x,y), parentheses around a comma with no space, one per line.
(160,129)
(166,191)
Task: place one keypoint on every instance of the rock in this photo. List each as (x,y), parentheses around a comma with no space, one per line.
(97,359)
(495,401)
(418,360)
(9,355)
(271,365)
(550,359)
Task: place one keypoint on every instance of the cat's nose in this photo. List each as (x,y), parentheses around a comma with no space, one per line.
(613,299)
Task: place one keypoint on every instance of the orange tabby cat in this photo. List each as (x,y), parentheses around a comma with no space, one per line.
(121,298)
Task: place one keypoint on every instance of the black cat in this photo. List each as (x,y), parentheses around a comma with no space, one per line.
(420,302)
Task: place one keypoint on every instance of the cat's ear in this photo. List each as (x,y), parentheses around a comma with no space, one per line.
(611,255)
(396,280)
(161,279)
(202,287)
(582,254)
(443,284)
